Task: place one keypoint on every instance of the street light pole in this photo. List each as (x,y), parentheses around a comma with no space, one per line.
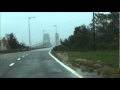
(56,28)
(43,36)
(56,34)
(29,30)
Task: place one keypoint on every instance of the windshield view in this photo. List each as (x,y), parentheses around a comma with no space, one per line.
(59,45)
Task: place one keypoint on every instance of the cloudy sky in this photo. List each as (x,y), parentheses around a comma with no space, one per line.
(17,23)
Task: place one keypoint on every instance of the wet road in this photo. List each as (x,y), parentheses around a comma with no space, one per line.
(32,64)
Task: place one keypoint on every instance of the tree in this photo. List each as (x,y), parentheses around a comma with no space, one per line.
(12,40)
(13,43)
(106,30)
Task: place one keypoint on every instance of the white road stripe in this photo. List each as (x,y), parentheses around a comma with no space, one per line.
(11,64)
(18,58)
(68,68)
(26,54)
(23,56)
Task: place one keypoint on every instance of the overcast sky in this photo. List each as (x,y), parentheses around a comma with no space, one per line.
(17,23)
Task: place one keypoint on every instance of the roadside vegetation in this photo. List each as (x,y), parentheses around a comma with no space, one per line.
(79,47)
(101,62)
(14,44)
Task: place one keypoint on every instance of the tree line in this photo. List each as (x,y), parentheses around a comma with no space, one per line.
(106,34)
(14,44)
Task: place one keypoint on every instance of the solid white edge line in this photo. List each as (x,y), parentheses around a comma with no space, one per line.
(18,58)
(11,64)
(68,68)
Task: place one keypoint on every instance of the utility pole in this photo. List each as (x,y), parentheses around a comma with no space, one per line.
(94,32)
(0,47)
(0,25)
(119,39)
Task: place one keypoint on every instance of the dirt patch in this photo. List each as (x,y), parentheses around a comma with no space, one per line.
(63,56)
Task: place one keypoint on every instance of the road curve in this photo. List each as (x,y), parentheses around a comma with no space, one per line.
(32,64)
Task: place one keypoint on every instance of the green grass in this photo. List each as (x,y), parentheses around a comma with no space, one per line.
(109,58)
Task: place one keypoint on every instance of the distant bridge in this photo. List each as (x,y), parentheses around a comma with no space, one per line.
(42,45)
(45,44)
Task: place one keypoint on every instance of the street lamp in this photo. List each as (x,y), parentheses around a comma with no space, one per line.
(55,27)
(56,33)
(43,35)
(29,29)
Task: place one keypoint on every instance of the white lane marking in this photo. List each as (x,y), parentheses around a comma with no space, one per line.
(23,56)
(11,64)
(18,58)
(26,54)
(68,68)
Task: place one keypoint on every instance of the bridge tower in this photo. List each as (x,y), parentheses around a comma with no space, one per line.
(46,40)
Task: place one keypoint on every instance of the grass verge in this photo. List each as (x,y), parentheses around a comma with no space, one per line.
(102,62)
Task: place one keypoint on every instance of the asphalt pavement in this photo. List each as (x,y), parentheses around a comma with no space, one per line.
(32,64)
